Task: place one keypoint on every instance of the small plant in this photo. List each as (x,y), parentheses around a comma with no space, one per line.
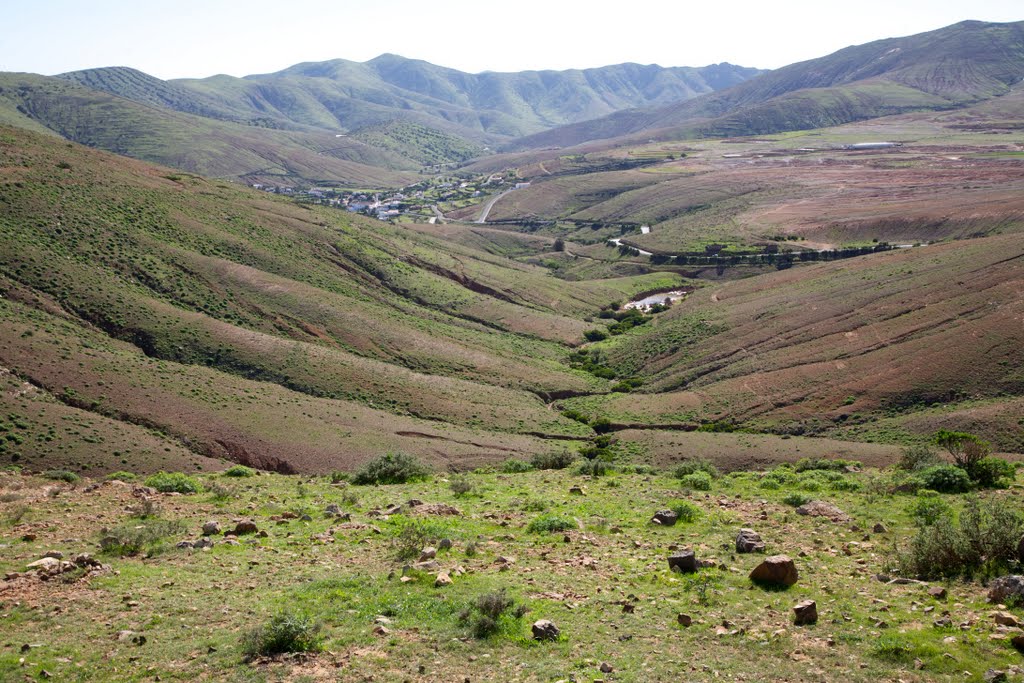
(391,468)
(918,457)
(601,425)
(797,499)
(698,481)
(945,479)
(147,508)
(285,632)
(122,476)
(133,539)
(825,464)
(62,475)
(16,514)
(703,583)
(414,535)
(492,613)
(892,648)
(547,524)
(239,471)
(552,460)
(460,486)
(220,492)
(337,477)
(534,505)
(928,508)
(174,482)
(593,468)
(694,465)
(513,466)
(687,512)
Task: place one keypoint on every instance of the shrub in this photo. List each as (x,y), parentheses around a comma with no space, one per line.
(993,472)
(284,632)
(595,335)
(174,482)
(132,539)
(695,465)
(121,476)
(601,425)
(687,511)
(337,477)
(62,475)
(967,450)
(594,468)
(239,471)
(575,415)
(698,481)
(513,466)
(460,486)
(945,479)
(797,499)
(552,460)
(221,492)
(416,534)
(547,524)
(918,457)
(928,508)
(491,613)
(826,464)
(391,468)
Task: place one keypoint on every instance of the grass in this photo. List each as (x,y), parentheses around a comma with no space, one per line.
(350,582)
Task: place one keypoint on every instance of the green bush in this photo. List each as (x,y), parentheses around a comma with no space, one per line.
(552,460)
(239,471)
(827,464)
(918,457)
(121,476)
(174,482)
(993,472)
(391,468)
(133,539)
(693,465)
(595,335)
(414,534)
(548,524)
(460,486)
(513,466)
(285,632)
(62,475)
(687,511)
(492,613)
(945,479)
(594,468)
(698,481)
(928,508)
(601,425)
(797,499)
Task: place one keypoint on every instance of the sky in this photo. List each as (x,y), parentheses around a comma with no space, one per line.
(199,38)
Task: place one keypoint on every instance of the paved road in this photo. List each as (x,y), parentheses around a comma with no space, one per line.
(490,204)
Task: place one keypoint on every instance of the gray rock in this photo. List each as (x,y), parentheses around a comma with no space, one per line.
(332,510)
(1006,589)
(805,612)
(445,544)
(937,592)
(683,561)
(777,570)
(427,553)
(819,508)
(665,518)
(749,541)
(544,629)
(211,528)
(203,543)
(994,676)
(879,529)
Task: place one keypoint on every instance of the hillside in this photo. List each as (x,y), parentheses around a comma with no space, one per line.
(944,69)
(194,143)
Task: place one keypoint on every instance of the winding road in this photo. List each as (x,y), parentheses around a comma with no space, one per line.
(490,204)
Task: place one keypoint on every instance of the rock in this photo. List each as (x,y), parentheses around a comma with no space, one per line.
(994,676)
(749,541)
(55,554)
(1006,619)
(805,612)
(414,502)
(306,518)
(1018,641)
(203,543)
(211,528)
(937,592)
(443,579)
(1006,589)
(684,620)
(332,510)
(184,544)
(879,528)
(245,527)
(777,570)
(683,561)
(28,538)
(544,629)
(46,564)
(819,508)
(606,668)
(665,518)
(445,544)
(577,491)
(427,553)
(427,566)
(1020,549)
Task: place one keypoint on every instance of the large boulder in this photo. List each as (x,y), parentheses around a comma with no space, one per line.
(819,508)
(544,630)
(749,541)
(777,570)
(665,517)
(683,561)
(1006,589)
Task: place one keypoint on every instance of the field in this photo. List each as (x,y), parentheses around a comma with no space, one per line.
(592,563)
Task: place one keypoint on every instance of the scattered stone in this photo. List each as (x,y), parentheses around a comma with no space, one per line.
(381,630)
(879,528)
(245,527)
(665,518)
(427,566)
(777,570)
(543,629)
(819,508)
(805,612)
(577,491)
(1006,589)
(211,528)
(203,543)
(45,564)
(428,553)
(306,518)
(684,620)
(332,510)
(683,561)
(606,668)
(443,579)
(994,676)
(28,538)
(749,541)
(55,554)
(1006,619)
(414,502)
(937,592)
(445,544)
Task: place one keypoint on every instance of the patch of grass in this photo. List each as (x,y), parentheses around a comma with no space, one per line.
(122,476)
(62,475)
(493,613)
(239,471)
(513,466)
(548,524)
(134,539)
(173,482)
(285,632)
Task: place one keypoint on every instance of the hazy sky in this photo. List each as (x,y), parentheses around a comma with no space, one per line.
(203,37)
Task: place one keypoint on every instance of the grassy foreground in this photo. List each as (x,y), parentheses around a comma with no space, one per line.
(591,562)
